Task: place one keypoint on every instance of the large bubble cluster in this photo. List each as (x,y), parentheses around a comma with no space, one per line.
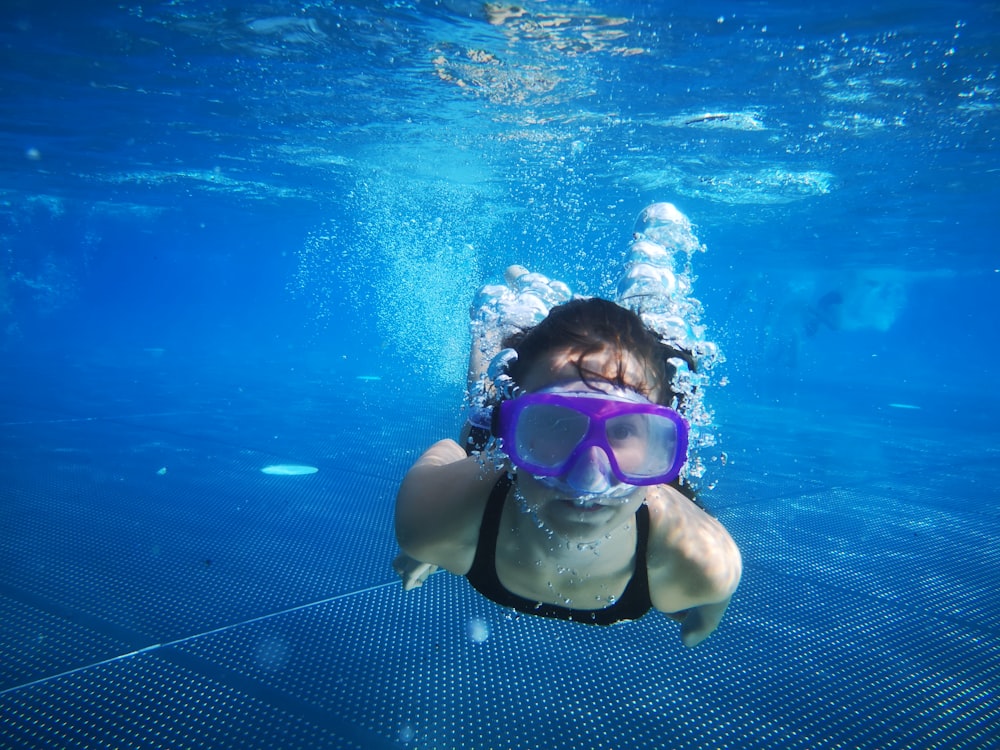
(657,285)
(498,310)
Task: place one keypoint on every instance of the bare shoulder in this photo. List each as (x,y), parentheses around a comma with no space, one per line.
(440,505)
(691,558)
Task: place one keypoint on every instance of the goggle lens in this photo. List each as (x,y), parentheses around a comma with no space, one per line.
(547,434)
(644,445)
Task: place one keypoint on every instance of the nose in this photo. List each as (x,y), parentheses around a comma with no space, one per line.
(590,474)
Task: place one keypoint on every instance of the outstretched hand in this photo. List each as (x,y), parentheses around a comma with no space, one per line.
(700,622)
(411,571)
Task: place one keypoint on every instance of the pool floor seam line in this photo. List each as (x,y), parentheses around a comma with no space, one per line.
(178,641)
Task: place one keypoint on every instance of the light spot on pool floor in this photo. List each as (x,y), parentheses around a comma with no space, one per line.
(904,406)
(479,630)
(369,377)
(289,470)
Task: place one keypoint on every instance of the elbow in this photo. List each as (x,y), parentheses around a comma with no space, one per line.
(408,541)
(410,524)
(720,578)
(724,570)
(406,526)
(736,570)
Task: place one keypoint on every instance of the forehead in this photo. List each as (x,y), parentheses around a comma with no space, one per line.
(564,366)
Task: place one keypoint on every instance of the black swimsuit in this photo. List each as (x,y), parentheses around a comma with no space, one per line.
(632,605)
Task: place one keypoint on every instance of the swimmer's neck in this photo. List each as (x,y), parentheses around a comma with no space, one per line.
(611,547)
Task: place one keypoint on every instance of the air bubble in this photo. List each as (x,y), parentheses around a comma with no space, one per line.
(479,630)
(406,734)
(272,654)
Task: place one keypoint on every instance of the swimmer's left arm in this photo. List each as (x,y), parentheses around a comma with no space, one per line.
(693,564)
(701,621)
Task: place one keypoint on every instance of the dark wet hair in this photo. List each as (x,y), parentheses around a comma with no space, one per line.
(587,326)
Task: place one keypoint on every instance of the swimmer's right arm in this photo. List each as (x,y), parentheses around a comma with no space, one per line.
(412,572)
(440,504)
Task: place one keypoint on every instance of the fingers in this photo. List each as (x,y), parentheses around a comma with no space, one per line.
(417,576)
(701,622)
(412,572)
(694,637)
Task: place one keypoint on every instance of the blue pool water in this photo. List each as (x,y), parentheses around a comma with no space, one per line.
(244,237)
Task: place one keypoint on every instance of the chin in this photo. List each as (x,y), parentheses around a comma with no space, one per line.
(571,516)
(566,518)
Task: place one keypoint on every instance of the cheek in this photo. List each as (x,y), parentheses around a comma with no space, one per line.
(532,491)
(628,507)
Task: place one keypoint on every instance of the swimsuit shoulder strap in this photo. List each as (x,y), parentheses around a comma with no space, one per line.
(639,583)
(483,570)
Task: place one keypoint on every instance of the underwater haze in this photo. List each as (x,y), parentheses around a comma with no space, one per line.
(239,247)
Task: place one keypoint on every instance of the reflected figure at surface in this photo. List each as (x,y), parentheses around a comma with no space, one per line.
(864,299)
(567,498)
(795,308)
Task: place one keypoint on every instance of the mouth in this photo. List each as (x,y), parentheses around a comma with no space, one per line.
(582,505)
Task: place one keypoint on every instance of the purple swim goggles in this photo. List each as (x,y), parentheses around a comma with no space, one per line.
(546,433)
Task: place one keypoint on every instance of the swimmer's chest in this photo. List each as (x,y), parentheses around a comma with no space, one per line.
(590,579)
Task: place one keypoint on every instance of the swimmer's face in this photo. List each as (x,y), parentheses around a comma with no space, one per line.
(566,512)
